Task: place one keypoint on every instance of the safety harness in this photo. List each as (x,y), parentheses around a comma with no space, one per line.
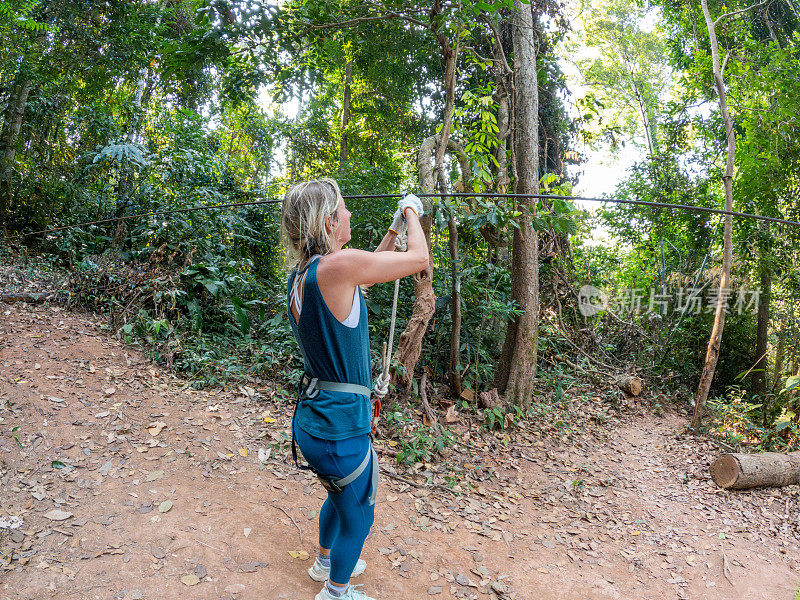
(310,388)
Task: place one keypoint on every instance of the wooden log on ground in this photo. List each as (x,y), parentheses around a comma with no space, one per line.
(737,471)
(29,298)
(629,383)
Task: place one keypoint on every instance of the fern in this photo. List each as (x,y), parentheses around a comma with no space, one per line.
(122,153)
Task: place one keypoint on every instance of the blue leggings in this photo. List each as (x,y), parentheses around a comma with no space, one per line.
(345,518)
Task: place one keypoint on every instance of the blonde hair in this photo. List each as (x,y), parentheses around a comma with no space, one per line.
(305,208)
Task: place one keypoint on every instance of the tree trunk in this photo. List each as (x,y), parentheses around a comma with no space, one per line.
(409,346)
(745,471)
(777,372)
(762,336)
(714,343)
(125,185)
(454,374)
(8,147)
(345,122)
(503,121)
(517,368)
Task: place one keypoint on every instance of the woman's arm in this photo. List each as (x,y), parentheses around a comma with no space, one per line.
(348,268)
(387,243)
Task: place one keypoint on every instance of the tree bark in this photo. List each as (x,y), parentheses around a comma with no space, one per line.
(8,147)
(517,367)
(715,341)
(345,122)
(409,346)
(745,471)
(762,335)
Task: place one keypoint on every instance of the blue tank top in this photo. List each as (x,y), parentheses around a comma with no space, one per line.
(331,351)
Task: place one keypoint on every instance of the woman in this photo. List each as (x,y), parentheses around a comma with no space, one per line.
(326,308)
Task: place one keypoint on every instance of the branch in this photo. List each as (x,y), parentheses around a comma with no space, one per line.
(742,10)
(499,44)
(478,56)
(357,20)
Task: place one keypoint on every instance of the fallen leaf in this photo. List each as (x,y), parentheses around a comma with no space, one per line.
(247,531)
(434,590)
(165,506)
(155,428)
(244,452)
(251,567)
(301,554)
(451,416)
(11,522)
(190,579)
(263,455)
(235,588)
(58,515)
(110,391)
(269,420)
(153,475)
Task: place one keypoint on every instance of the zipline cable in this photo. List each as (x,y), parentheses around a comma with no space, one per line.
(151,214)
(688,207)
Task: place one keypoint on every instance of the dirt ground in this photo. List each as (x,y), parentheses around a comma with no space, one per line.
(132,485)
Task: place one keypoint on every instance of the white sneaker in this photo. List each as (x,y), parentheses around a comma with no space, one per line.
(317,572)
(351,594)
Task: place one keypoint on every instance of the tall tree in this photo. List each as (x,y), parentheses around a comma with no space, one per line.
(714,343)
(516,369)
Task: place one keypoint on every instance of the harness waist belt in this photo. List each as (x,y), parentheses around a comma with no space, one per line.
(314,385)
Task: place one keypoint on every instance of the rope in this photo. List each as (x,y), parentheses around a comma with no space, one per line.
(382,385)
(388,353)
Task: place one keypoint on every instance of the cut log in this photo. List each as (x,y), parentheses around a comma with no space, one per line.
(766,469)
(629,383)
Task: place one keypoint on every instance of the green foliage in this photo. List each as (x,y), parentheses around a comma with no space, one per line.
(418,444)
(736,418)
(501,418)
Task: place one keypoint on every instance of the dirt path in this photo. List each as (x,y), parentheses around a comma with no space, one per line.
(132,485)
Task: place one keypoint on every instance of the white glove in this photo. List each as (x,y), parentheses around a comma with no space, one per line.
(398,223)
(410,201)
(381,387)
